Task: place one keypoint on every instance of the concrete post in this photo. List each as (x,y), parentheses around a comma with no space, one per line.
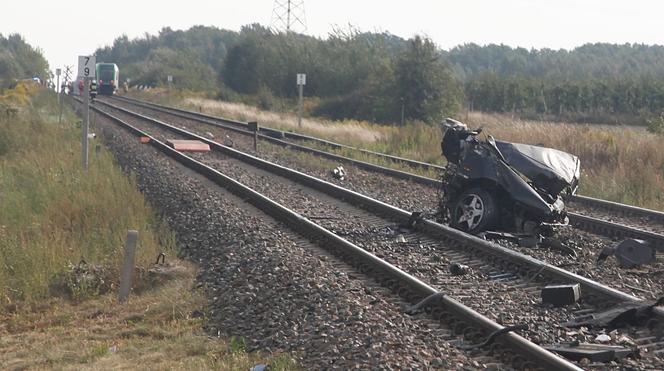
(127,273)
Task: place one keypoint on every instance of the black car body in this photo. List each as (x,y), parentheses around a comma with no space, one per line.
(492,184)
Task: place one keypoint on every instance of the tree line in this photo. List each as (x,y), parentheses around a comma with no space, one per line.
(19,60)
(385,78)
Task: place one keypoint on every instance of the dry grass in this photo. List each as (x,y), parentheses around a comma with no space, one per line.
(349,132)
(54,214)
(619,163)
(156,330)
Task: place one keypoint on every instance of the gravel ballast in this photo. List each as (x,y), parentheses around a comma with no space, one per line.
(267,288)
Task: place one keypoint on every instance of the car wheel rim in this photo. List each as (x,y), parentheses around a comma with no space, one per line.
(470,211)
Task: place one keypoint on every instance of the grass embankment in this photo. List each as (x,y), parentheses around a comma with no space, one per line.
(622,164)
(53,213)
(57,313)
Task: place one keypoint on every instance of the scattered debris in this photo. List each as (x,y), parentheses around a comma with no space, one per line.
(339,173)
(630,313)
(228,142)
(560,295)
(603,338)
(401,239)
(592,352)
(143,139)
(209,135)
(260,367)
(529,240)
(629,253)
(555,244)
(458,269)
(415,217)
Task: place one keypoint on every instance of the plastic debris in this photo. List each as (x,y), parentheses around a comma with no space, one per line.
(560,295)
(603,338)
(339,173)
(458,269)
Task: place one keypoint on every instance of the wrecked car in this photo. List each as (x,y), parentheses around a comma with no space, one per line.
(490,184)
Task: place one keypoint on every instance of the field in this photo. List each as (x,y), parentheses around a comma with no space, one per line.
(619,163)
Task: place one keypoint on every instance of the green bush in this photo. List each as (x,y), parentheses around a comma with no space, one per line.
(656,125)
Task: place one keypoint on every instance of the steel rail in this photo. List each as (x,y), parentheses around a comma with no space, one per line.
(610,229)
(324,237)
(621,208)
(243,128)
(579,221)
(439,231)
(292,135)
(270,137)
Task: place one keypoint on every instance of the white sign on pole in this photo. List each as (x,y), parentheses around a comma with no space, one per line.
(170,78)
(301,79)
(86,66)
(58,71)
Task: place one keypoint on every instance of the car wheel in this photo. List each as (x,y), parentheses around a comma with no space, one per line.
(474,211)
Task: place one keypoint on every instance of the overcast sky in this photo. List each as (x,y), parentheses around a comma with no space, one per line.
(66,29)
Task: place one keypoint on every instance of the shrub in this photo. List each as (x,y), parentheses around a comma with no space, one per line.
(656,125)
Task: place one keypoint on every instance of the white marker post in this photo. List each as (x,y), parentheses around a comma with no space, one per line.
(58,88)
(301,82)
(170,81)
(86,70)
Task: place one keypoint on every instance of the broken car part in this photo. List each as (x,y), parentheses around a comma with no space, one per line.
(560,295)
(518,190)
(629,253)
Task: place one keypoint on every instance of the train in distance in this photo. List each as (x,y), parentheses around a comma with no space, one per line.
(108,78)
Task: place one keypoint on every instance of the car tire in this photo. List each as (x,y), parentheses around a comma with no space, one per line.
(474,211)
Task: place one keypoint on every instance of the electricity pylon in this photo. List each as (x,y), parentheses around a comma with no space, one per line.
(288,15)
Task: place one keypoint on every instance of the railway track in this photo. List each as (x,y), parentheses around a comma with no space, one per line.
(509,270)
(584,210)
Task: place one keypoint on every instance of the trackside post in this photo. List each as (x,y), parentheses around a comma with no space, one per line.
(127,273)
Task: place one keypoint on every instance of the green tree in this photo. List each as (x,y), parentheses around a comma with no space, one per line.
(425,83)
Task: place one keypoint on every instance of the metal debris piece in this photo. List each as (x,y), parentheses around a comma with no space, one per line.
(259,367)
(629,253)
(603,338)
(529,241)
(592,352)
(555,244)
(624,314)
(560,295)
(415,217)
(458,269)
(401,239)
(209,135)
(339,172)
(228,142)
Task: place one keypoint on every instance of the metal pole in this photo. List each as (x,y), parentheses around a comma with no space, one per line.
(403,111)
(86,121)
(57,87)
(128,266)
(60,99)
(299,108)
